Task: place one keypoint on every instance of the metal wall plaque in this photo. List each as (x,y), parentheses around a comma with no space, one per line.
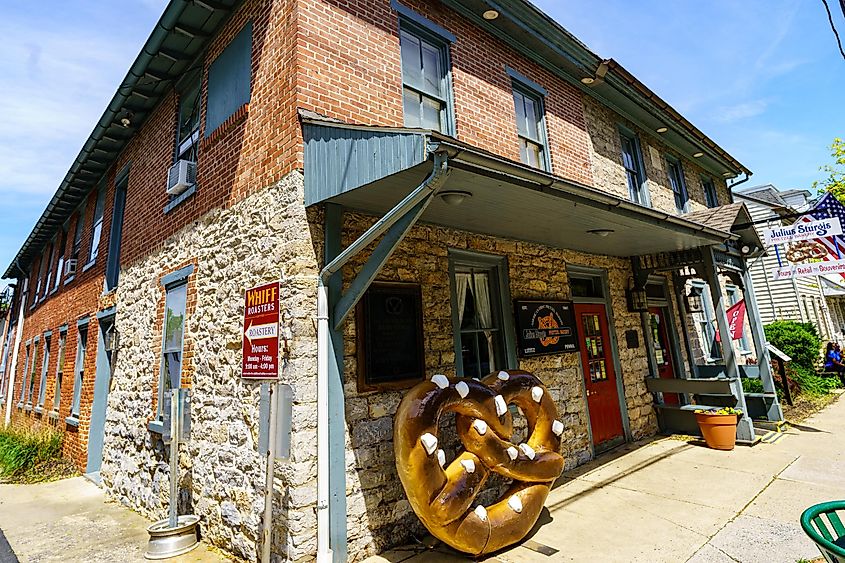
(545,327)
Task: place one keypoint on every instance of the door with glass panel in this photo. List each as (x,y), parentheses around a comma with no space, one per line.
(479,321)
(599,373)
(662,349)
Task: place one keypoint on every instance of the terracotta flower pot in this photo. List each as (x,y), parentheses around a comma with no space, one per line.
(719,430)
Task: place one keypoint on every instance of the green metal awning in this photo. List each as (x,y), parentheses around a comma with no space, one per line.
(371,169)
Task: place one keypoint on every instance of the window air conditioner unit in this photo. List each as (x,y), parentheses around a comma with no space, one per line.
(70,267)
(181,176)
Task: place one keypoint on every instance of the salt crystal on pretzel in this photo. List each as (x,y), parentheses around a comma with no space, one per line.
(515,503)
(469,465)
(503,375)
(480,426)
(527,450)
(481,512)
(501,406)
(429,442)
(513,453)
(537,393)
(440,380)
(441,458)
(463,389)
(557,427)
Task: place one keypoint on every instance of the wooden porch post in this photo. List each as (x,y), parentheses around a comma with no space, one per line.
(745,428)
(764,361)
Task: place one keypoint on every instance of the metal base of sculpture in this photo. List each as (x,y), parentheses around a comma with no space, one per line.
(443,495)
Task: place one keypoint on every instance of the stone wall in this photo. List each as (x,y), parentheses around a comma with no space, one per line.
(378,514)
(222,474)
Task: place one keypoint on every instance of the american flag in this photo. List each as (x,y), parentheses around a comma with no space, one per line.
(826,207)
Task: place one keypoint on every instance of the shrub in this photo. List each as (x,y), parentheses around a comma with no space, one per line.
(798,340)
(22,451)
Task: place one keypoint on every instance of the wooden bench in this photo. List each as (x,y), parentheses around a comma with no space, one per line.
(712,392)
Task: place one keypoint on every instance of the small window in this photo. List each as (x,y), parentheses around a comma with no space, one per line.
(33,369)
(632,160)
(37,295)
(49,280)
(586,287)
(170,373)
(676,182)
(710,196)
(77,234)
(97,230)
(706,321)
(188,121)
(533,146)
(425,81)
(79,370)
(479,299)
(116,234)
(60,366)
(42,385)
(60,264)
(229,80)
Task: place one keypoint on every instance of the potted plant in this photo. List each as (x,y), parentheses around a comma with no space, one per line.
(718,426)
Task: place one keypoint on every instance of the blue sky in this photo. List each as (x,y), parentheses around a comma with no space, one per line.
(763,78)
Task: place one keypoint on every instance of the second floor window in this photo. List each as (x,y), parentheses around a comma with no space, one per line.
(533,149)
(97,231)
(188,126)
(425,83)
(632,160)
(60,263)
(77,235)
(710,197)
(676,182)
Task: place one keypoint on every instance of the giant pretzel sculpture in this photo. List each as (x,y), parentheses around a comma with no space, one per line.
(443,495)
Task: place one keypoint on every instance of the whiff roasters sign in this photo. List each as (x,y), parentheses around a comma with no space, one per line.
(261,333)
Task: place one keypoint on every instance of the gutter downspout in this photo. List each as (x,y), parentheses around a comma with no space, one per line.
(431,184)
(10,392)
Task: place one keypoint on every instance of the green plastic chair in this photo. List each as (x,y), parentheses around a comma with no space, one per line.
(815,521)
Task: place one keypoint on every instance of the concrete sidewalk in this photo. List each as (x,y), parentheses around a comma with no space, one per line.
(71,521)
(669,500)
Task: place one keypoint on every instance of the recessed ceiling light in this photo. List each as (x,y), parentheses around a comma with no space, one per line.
(662,129)
(490,15)
(588,80)
(601,232)
(454,197)
(728,174)
(698,154)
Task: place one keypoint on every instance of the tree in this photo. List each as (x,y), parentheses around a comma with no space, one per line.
(835,181)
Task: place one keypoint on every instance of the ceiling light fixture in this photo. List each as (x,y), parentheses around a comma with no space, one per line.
(490,15)
(601,232)
(127,118)
(454,197)
(728,174)
(698,154)
(588,80)
(662,129)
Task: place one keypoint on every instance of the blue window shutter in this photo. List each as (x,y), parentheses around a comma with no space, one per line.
(229,78)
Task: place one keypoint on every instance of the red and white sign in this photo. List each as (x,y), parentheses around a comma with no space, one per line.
(261,332)
(736,320)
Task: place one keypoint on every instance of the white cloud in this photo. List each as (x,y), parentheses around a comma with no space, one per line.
(739,111)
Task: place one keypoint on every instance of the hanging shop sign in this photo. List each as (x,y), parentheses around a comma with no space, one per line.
(808,270)
(736,321)
(261,332)
(545,327)
(803,231)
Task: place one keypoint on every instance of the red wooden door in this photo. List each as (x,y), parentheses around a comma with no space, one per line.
(599,375)
(662,350)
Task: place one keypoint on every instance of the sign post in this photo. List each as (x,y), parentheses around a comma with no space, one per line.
(261,362)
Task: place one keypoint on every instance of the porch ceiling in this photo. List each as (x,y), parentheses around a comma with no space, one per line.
(508,207)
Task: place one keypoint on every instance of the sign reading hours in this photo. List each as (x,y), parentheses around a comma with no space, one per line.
(545,327)
(261,332)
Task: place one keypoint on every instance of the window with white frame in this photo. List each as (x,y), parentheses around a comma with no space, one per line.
(60,263)
(425,80)
(60,366)
(77,235)
(79,370)
(25,373)
(188,125)
(478,296)
(50,255)
(530,126)
(42,384)
(677,183)
(173,332)
(97,228)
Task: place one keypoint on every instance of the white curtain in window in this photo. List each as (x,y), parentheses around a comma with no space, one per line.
(461,286)
(481,289)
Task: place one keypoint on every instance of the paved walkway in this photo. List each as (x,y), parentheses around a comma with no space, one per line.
(70,521)
(669,500)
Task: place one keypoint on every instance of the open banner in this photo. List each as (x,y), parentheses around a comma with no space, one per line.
(736,320)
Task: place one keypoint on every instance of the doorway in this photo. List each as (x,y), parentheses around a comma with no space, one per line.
(599,374)
(663,357)
(102,385)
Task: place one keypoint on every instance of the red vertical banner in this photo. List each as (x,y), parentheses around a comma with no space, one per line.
(736,320)
(261,332)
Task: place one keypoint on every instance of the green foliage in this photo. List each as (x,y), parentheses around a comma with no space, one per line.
(835,181)
(23,450)
(800,341)
(810,383)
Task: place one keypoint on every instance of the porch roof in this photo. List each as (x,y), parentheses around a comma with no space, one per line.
(371,169)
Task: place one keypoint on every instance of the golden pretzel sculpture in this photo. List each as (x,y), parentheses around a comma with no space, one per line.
(443,495)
